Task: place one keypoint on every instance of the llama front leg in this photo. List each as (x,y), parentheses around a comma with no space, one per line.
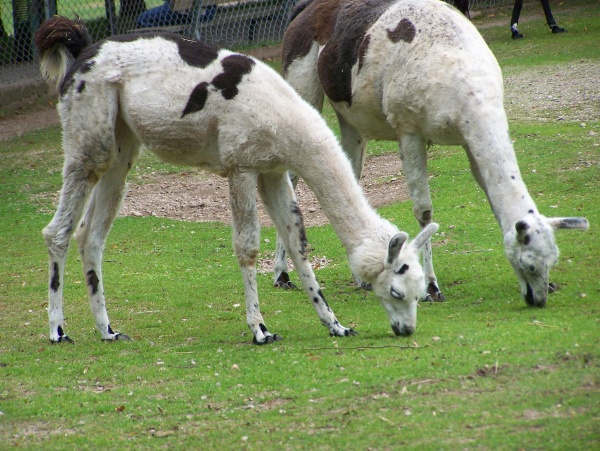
(57,234)
(303,75)
(279,200)
(246,240)
(413,153)
(354,146)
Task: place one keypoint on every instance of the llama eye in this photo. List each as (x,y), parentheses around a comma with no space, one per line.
(402,269)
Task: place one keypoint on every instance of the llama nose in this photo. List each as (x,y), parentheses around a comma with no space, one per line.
(531,299)
(403,331)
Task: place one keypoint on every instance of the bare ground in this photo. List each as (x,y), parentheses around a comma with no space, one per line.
(198,197)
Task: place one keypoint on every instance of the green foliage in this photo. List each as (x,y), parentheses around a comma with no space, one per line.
(482,371)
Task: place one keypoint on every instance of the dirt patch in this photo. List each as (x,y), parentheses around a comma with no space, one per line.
(203,198)
(561,92)
(27,118)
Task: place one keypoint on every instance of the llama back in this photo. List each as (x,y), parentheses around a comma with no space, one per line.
(187,102)
(422,40)
(433,41)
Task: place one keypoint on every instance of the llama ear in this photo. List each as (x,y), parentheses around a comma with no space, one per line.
(424,235)
(569,223)
(395,245)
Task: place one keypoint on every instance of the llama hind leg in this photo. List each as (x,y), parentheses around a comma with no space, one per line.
(88,137)
(354,145)
(75,191)
(413,153)
(93,230)
(279,200)
(246,241)
(83,167)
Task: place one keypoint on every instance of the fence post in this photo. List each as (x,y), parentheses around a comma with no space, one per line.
(22,42)
(111,16)
(50,8)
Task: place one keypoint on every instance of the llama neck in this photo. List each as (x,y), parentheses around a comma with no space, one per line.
(330,178)
(495,165)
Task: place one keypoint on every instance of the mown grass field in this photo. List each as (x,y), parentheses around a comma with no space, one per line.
(483,371)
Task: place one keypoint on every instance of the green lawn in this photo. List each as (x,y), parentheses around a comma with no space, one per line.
(482,371)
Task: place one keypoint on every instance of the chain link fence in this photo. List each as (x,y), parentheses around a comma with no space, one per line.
(225,23)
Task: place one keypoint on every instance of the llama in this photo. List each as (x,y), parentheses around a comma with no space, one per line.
(418,72)
(193,105)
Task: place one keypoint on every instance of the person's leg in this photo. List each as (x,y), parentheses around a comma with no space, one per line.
(154,16)
(550,19)
(161,16)
(514,20)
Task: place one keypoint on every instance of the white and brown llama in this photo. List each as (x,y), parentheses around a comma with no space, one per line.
(418,72)
(226,112)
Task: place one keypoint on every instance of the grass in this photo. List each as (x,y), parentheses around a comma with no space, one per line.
(483,371)
(580,18)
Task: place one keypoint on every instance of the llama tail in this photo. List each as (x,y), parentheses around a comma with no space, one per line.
(59,40)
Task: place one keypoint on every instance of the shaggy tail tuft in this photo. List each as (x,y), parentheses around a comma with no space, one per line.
(57,40)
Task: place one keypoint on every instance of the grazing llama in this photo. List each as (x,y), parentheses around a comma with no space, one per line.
(193,105)
(418,72)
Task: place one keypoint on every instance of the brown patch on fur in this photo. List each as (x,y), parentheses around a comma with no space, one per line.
(310,21)
(194,53)
(62,31)
(82,64)
(341,52)
(404,31)
(197,99)
(234,69)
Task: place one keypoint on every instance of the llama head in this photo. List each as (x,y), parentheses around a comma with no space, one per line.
(401,284)
(531,250)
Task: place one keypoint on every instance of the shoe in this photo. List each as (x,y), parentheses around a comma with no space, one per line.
(556,29)
(516,34)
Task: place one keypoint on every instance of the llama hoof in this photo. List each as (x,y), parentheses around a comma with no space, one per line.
(268,339)
(119,337)
(343,333)
(553,288)
(283,281)
(434,294)
(363,285)
(62,339)
(285,286)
